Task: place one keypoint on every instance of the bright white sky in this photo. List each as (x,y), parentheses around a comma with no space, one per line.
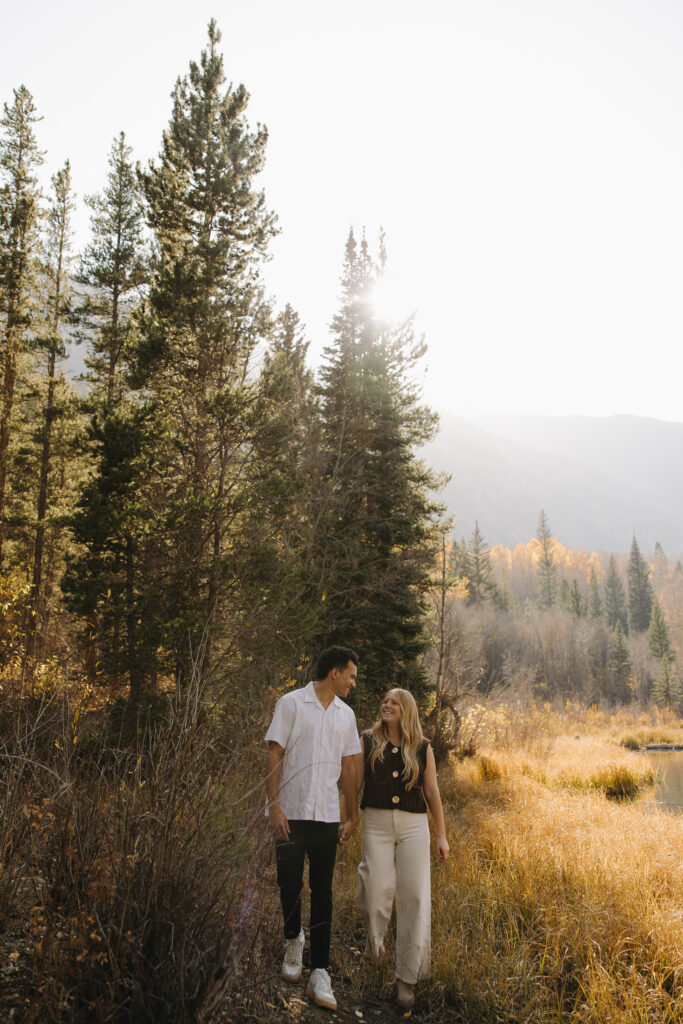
(525,158)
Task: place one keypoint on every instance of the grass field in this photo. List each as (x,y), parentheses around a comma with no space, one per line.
(563,896)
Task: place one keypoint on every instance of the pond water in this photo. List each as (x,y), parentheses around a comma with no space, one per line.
(668,792)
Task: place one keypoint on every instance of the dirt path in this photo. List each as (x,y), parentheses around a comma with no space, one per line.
(279,1001)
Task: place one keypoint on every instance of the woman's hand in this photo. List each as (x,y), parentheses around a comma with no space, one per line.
(347,828)
(433,797)
(442,848)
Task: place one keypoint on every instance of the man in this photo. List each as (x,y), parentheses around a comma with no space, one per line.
(313,743)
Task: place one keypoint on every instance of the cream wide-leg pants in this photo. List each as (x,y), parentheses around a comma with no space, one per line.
(395,862)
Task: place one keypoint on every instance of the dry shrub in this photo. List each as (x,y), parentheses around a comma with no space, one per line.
(489,769)
(139,868)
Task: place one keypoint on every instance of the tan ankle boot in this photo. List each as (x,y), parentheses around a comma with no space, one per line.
(405,994)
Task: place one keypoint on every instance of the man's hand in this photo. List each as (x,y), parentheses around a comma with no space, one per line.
(277,822)
(347,828)
(349,786)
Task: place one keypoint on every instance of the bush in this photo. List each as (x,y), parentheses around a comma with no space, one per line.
(143,863)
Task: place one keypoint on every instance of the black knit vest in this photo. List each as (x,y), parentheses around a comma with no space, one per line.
(384,787)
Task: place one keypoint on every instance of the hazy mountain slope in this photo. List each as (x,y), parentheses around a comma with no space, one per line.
(599,480)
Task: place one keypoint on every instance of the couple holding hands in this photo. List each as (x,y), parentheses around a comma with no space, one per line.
(313,745)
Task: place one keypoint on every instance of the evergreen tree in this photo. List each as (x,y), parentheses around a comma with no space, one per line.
(203,319)
(54,400)
(381,521)
(577,604)
(101,581)
(459,560)
(596,608)
(482,582)
(288,385)
(19,214)
(639,591)
(546,570)
(564,595)
(615,598)
(659,639)
(110,581)
(659,570)
(666,690)
(274,558)
(112,269)
(620,667)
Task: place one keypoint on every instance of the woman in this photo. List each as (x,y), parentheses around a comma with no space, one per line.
(399,785)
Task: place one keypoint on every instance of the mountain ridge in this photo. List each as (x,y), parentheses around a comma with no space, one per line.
(599,480)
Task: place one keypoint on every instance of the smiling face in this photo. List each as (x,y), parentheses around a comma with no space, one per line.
(391,709)
(344,679)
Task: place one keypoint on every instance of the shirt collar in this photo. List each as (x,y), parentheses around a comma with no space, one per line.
(311,697)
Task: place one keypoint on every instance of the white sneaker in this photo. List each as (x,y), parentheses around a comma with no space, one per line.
(319,989)
(294,951)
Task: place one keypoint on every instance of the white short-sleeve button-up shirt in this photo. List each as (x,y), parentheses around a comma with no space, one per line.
(314,740)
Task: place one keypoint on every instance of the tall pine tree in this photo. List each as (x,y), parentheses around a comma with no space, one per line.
(109,582)
(659,638)
(576,603)
(204,317)
(274,553)
(482,585)
(102,581)
(639,591)
(596,609)
(615,598)
(54,399)
(546,570)
(112,272)
(666,689)
(381,521)
(459,560)
(620,667)
(20,159)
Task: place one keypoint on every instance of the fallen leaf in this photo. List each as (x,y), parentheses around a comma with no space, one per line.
(408,1013)
(14,956)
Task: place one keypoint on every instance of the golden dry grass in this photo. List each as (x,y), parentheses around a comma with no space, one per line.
(574,763)
(557,904)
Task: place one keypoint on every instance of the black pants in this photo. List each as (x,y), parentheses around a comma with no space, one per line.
(318,840)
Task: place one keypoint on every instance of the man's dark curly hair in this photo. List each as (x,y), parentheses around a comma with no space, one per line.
(334,657)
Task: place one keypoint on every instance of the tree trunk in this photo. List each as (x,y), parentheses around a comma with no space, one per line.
(37,578)
(134,673)
(9,378)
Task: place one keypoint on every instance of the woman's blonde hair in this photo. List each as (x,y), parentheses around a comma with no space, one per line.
(411,737)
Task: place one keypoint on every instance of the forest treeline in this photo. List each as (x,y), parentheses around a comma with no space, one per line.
(206,503)
(545,621)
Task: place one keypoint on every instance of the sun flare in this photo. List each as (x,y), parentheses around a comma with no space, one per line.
(390,299)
